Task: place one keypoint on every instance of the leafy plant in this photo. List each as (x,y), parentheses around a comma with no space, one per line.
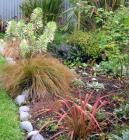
(101,16)
(101,115)
(117,65)
(95,85)
(52,127)
(122,111)
(42,75)
(51,8)
(78,83)
(79,120)
(124,136)
(117,29)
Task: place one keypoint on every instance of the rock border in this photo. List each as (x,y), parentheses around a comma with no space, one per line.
(25,116)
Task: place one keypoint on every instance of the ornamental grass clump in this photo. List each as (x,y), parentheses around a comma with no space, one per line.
(41,75)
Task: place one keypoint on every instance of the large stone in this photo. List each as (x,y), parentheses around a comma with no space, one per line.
(37,137)
(24,116)
(26,125)
(24,109)
(20,99)
(32,133)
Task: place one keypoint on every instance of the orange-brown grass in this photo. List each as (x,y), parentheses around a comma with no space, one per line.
(11,49)
(42,75)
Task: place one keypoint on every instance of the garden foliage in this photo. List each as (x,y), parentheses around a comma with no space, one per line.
(40,74)
(33,36)
(51,9)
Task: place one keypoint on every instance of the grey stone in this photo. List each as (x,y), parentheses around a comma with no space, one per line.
(24,116)
(24,109)
(37,137)
(20,99)
(25,93)
(32,133)
(26,125)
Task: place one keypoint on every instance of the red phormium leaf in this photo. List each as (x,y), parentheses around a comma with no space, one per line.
(79,119)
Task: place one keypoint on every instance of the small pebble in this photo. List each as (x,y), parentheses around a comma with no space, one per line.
(94,79)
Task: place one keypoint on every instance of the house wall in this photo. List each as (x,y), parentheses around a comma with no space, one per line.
(10,9)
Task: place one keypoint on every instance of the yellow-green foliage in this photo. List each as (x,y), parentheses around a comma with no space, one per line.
(42,75)
(86,42)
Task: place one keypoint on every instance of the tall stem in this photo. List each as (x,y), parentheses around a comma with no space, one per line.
(78,20)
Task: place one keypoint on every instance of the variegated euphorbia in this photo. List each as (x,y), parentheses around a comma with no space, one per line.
(33,36)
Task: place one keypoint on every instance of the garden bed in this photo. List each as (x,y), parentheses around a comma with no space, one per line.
(116,91)
(71,81)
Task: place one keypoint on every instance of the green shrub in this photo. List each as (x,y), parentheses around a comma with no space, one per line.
(117,28)
(86,42)
(113,39)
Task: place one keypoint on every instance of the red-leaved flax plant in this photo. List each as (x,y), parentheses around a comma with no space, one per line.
(78,119)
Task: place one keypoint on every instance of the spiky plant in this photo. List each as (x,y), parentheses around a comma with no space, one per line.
(33,37)
(41,75)
(51,8)
(78,120)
